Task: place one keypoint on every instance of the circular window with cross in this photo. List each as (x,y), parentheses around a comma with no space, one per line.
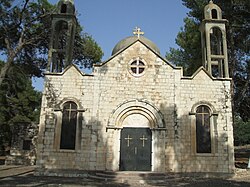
(137,67)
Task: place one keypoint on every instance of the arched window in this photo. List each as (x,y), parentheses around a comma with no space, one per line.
(203,129)
(68,129)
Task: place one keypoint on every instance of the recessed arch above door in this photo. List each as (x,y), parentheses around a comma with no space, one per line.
(130,110)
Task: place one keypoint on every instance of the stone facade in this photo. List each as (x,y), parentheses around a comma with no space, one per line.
(136,88)
(162,92)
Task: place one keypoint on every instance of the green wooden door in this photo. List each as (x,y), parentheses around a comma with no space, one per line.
(135,149)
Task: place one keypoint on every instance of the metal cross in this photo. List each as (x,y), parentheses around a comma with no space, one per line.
(138,32)
(203,113)
(143,139)
(128,140)
(70,110)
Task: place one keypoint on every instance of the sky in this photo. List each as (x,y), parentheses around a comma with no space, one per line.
(109,21)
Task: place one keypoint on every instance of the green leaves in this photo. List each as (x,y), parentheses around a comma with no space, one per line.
(241,132)
(196,8)
(19,102)
(86,52)
(189,54)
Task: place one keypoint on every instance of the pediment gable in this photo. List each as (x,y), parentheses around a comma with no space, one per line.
(132,44)
(202,74)
(71,70)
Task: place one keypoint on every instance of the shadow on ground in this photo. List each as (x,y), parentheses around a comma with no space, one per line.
(31,180)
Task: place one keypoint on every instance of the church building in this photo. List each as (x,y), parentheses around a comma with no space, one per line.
(136,111)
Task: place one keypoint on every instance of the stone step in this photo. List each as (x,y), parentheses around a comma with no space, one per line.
(106,175)
(100,178)
(128,176)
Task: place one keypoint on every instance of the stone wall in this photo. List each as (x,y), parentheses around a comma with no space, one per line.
(23,149)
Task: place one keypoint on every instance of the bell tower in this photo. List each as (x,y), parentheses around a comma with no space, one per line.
(214,44)
(62,36)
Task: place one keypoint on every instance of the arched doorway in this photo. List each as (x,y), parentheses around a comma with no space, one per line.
(136,138)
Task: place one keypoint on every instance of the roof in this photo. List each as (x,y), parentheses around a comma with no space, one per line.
(132,39)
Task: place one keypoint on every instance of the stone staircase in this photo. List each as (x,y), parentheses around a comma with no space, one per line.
(127,178)
(133,178)
(120,178)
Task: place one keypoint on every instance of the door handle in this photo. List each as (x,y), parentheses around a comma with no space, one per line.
(135,150)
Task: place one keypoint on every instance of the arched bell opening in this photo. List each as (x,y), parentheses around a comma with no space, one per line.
(217,52)
(214,14)
(60,36)
(63,8)
(59,44)
(216,41)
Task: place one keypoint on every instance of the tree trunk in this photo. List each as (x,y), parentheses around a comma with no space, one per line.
(4,71)
(11,54)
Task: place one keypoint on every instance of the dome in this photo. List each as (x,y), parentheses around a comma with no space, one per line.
(130,40)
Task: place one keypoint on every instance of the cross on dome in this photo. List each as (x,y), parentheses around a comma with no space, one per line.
(72,1)
(138,32)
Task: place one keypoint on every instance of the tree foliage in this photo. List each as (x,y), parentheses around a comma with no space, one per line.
(241,132)
(188,55)
(20,103)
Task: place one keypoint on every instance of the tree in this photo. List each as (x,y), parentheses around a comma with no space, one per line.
(20,103)
(24,37)
(241,132)
(237,12)
(189,54)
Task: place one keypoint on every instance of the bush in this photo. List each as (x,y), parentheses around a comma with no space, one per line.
(241,132)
